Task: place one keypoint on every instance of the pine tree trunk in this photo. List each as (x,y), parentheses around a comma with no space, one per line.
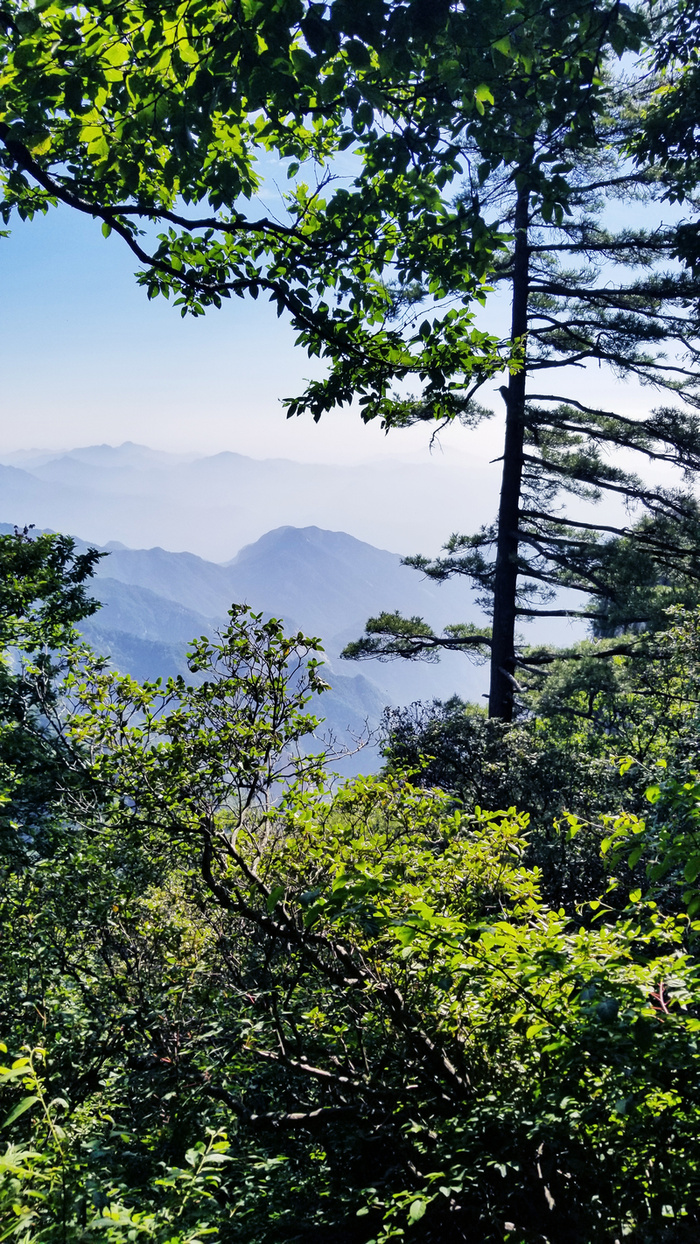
(502,689)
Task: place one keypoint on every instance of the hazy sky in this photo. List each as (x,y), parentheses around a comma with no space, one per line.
(86,359)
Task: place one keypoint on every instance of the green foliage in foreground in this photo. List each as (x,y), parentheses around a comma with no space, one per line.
(247,1009)
(42,597)
(378,1009)
(581,714)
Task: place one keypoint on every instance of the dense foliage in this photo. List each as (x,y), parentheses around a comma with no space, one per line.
(459,1001)
(583,711)
(42,596)
(238,1005)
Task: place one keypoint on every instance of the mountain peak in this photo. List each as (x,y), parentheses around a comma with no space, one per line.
(297,539)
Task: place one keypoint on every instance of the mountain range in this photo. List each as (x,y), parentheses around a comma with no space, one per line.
(325,583)
(215,505)
(154,602)
(155,599)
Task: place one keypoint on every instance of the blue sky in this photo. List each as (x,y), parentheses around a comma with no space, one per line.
(86,359)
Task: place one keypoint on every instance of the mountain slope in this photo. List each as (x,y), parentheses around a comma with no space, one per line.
(143,613)
(324,582)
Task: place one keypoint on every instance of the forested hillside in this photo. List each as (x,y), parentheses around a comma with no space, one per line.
(236,1002)
(457,1001)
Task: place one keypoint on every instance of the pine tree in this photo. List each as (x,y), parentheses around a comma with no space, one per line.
(581,292)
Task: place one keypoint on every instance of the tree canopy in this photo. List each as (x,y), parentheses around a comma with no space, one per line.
(143,116)
(134,118)
(432,153)
(43,595)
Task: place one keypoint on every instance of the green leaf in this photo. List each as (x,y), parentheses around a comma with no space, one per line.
(274,897)
(25,1104)
(416,1211)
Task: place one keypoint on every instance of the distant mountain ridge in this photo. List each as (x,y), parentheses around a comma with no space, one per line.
(215,505)
(307,538)
(321,582)
(325,583)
